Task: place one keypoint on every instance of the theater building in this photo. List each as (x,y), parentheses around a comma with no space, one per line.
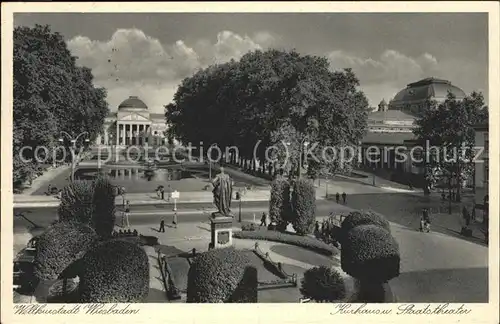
(133,124)
(392,124)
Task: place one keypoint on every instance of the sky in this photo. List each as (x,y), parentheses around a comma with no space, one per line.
(148,55)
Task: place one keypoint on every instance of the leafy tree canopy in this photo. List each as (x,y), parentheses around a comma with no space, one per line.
(51,94)
(271,96)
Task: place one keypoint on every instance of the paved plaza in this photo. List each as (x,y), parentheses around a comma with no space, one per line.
(440,266)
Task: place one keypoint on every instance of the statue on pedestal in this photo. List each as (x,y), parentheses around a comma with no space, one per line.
(223,193)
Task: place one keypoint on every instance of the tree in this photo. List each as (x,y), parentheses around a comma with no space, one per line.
(447,128)
(51,94)
(322,284)
(304,206)
(270,97)
(103,217)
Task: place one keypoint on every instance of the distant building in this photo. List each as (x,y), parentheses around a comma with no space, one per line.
(133,124)
(392,124)
(481,167)
(416,95)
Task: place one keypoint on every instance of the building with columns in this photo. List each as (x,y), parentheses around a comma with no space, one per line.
(133,124)
(392,124)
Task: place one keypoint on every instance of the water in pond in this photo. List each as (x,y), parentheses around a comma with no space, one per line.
(134,174)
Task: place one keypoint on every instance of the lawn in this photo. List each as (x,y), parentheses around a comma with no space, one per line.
(265,273)
(307,242)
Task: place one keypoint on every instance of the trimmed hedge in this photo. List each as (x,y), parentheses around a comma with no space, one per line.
(279,202)
(77,202)
(60,246)
(115,271)
(358,218)
(222,275)
(323,284)
(370,253)
(307,242)
(103,217)
(304,206)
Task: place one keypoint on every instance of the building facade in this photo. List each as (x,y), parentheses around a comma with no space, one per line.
(390,128)
(133,124)
(481,166)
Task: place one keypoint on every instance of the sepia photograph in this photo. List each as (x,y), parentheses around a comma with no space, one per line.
(250,157)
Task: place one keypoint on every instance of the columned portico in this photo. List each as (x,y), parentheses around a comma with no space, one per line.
(133,124)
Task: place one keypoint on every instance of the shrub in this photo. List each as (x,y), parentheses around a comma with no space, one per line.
(222,275)
(103,217)
(322,284)
(60,246)
(307,242)
(248,227)
(77,202)
(370,253)
(115,271)
(304,206)
(279,202)
(358,218)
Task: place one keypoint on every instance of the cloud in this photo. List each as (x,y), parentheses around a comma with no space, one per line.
(133,63)
(384,76)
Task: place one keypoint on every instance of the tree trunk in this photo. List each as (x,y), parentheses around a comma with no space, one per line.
(449,195)
(369,292)
(459,182)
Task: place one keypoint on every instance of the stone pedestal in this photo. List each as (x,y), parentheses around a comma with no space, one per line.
(222,231)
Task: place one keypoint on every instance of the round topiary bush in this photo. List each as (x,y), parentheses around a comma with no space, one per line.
(103,217)
(77,202)
(304,206)
(115,271)
(222,276)
(279,203)
(358,218)
(60,246)
(370,253)
(323,284)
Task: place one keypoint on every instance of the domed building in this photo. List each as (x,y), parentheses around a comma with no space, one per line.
(416,95)
(133,124)
(391,125)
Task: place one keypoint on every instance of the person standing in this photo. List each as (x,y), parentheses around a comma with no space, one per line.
(426,220)
(162,225)
(127,213)
(466,216)
(263,220)
(344,196)
(174,220)
(337,197)
(162,191)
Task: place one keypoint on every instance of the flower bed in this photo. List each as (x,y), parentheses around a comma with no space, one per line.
(302,241)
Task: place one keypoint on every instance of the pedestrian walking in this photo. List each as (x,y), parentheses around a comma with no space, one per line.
(162,225)
(337,197)
(162,191)
(344,196)
(158,191)
(425,221)
(316,230)
(174,220)
(127,213)
(263,220)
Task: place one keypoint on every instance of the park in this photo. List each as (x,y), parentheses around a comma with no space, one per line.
(259,225)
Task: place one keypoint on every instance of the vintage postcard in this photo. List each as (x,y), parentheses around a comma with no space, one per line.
(163,160)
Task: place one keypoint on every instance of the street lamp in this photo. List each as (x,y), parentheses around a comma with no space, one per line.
(303,143)
(73,141)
